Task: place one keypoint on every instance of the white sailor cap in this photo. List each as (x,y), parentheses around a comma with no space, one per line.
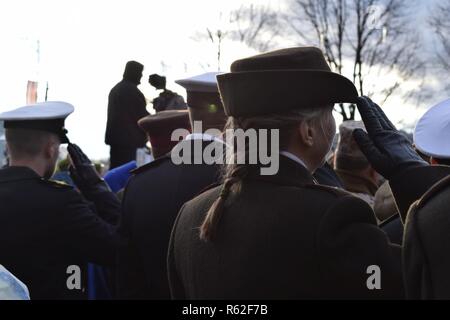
(432,132)
(203,93)
(46,116)
(206,82)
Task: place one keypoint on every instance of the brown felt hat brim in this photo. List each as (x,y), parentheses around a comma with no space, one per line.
(253,93)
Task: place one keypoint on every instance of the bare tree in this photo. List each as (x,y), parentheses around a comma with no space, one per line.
(255,26)
(440,23)
(366,40)
(217,37)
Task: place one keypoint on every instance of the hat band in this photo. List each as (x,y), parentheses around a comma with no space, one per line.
(52,126)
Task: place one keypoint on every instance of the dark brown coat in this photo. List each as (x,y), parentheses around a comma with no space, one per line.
(282,237)
(427,245)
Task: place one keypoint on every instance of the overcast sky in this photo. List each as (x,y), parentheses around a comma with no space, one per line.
(84,45)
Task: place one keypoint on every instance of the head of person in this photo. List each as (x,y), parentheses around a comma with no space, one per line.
(204,102)
(431,134)
(34,134)
(157,81)
(33,146)
(159,128)
(290,90)
(349,157)
(133,72)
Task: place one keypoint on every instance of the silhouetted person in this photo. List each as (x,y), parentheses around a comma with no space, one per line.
(126,105)
(167,100)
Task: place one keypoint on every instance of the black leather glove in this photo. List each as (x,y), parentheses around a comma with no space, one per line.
(388,151)
(84,174)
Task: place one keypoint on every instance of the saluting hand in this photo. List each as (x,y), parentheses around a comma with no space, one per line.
(84,174)
(388,151)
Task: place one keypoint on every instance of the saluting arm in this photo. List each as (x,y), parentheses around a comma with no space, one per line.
(393,156)
(92,186)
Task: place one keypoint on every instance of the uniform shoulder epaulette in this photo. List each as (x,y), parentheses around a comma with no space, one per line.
(150,165)
(435,189)
(57,184)
(333,190)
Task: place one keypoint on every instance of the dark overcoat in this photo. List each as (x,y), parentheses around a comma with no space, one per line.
(46,227)
(152,199)
(427,245)
(126,105)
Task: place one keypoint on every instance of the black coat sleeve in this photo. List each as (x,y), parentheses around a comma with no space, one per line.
(411,184)
(107,206)
(130,277)
(176,286)
(349,242)
(92,238)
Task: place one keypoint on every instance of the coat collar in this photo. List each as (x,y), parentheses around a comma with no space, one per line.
(290,173)
(9,174)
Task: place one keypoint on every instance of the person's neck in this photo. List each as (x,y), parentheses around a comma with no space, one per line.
(36,165)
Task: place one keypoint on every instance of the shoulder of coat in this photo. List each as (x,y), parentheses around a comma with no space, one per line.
(433,191)
(155,163)
(56,184)
(331,190)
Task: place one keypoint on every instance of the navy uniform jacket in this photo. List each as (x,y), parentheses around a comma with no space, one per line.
(283,237)
(46,226)
(152,199)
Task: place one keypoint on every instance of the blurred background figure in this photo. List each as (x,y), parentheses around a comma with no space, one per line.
(432,133)
(325,174)
(126,105)
(2,146)
(62,172)
(384,203)
(167,100)
(352,167)
(159,128)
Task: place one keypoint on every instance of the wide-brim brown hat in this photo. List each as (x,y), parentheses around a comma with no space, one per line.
(282,80)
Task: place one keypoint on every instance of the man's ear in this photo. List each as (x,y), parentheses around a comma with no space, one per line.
(306,133)
(50,149)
